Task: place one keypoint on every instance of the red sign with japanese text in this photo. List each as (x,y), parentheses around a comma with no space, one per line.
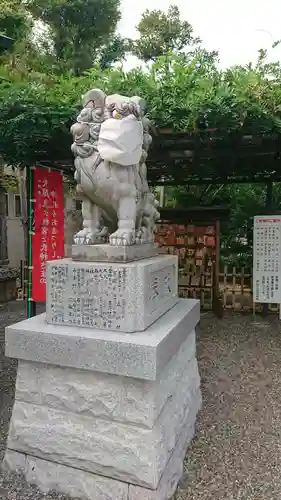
(48,226)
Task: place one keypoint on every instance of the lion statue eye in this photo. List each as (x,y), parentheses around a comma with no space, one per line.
(116,115)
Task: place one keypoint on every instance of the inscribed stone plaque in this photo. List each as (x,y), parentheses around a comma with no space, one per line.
(126,297)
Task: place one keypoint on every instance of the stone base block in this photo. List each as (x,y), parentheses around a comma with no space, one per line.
(49,476)
(111,253)
(105,414)
(111,296)
(172,473)
(142,356)
(102,395)
(128,453)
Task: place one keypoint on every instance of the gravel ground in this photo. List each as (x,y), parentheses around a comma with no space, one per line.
(237,451)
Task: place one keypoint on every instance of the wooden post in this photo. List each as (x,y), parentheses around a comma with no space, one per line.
(217,305)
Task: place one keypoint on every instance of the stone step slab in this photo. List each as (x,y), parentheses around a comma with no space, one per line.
(142,356)
(95,394)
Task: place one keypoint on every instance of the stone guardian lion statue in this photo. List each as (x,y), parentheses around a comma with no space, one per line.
(111,140)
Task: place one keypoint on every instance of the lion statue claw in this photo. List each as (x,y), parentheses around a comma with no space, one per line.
(111,140)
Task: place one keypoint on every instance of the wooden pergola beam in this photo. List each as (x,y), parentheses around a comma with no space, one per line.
(208,157)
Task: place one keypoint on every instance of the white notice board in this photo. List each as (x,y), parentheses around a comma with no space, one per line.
(267,259)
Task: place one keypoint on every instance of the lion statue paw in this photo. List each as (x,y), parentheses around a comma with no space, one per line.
(122,237)
(88,236)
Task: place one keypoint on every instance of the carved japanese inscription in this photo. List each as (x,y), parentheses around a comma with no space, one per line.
(120,297)
(92,296)
(160,287)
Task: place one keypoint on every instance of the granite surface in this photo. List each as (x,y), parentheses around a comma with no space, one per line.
(239,360)
(94,394)
(115,407)
(87,486)
(171,475)
(142,355)
(129,453)
(113,253)
(111,296)
(76,483)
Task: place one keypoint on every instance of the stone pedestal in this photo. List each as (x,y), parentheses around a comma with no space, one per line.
(101,414)
(127,297)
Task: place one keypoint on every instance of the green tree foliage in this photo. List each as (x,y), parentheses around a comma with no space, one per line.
(77,29)
(35,113)
(192,94)
(188,94)
(161,34)
(43,78)
(14,20)
(115,50)
(15,23)
(244,202)
(25,56)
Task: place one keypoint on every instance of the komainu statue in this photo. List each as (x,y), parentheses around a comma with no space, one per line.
(111,140)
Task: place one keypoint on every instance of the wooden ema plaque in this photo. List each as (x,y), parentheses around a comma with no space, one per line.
(195,247)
